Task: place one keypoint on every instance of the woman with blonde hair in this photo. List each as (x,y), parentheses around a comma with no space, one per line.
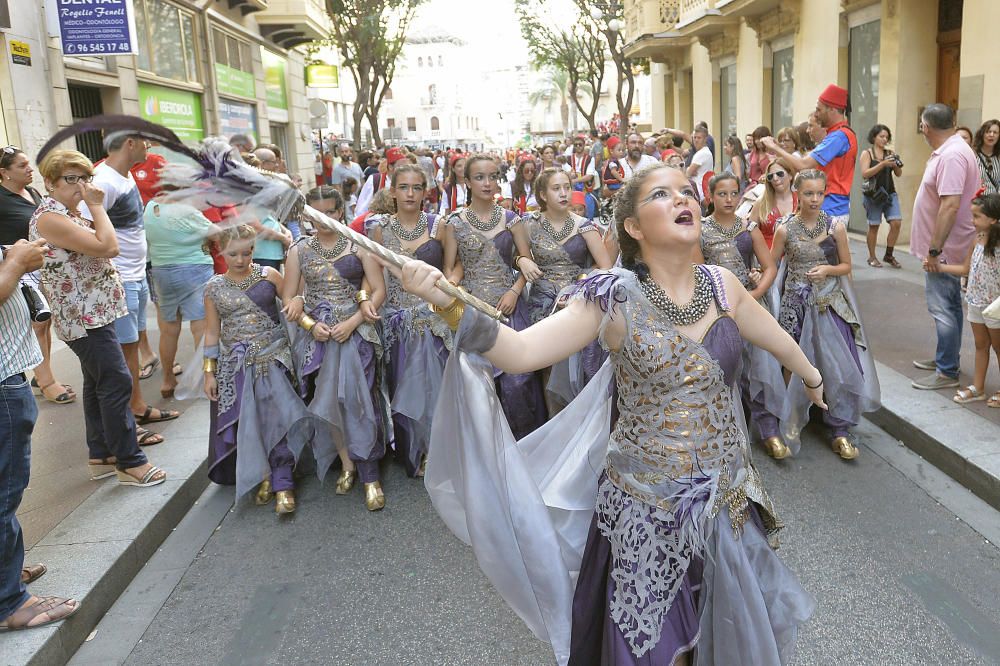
(776,203)
(86,297)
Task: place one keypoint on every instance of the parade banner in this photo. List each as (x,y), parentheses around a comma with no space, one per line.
(178,110)
(96,27)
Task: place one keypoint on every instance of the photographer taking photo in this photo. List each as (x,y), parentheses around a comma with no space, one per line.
(19,352)
(878,165)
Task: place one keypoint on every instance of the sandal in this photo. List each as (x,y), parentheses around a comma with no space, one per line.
(147,416)
(145,437)
(874,263)
(149,368)
(154,476)
(25,617)
(892,261)
(994,401)
(32,572)
(178,369)
(63,398)
(968,394)
(103,469)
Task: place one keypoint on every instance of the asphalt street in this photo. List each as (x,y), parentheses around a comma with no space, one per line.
(887,544)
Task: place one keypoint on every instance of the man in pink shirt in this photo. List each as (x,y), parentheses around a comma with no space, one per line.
(942,233)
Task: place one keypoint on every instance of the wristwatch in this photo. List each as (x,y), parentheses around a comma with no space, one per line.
(934,252)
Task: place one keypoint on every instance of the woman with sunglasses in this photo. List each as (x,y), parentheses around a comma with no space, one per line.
(18,201)
(519,195)
(87,297)
(778,201)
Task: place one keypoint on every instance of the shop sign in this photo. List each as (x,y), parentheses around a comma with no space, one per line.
(274,76)
(177,110)
(96,27)
(231,81)
(20,52)
(322,76)
(237,118)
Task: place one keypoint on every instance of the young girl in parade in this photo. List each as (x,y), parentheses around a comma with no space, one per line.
(675,558)
(483,245)
(417,340)
(817,308)
(983,269)
(730,242)
(519,196)
(454,190)
(259,424)
(777,202)
(338,352)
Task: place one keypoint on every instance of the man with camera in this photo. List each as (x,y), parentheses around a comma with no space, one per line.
(19,352)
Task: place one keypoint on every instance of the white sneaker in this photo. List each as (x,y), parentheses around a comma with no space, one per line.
(934,382)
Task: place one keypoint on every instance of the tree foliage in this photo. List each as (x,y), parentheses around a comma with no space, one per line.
(370,34)
(625,67)
(578,52)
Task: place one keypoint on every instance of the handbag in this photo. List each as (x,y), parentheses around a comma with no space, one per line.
(869,186)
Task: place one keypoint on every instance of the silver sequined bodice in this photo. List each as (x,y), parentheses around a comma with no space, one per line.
(486,274)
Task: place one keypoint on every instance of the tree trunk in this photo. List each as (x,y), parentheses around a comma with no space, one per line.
(564,113)
(376,134)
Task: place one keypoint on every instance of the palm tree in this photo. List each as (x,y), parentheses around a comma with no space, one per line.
(553,85)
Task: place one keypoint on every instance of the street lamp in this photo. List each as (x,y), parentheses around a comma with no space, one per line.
(611,11)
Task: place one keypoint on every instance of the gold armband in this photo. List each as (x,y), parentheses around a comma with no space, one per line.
(307,322)
(451,313)
(210,365)
(361,296)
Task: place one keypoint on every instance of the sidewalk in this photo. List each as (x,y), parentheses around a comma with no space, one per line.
(961,440)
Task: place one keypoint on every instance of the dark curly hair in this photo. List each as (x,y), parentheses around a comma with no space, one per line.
(877,129)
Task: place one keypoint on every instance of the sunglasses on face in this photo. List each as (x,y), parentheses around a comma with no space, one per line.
(774,175)
(73,179)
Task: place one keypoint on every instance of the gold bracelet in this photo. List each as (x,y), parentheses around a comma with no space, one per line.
(361,296)
(307,322)
(451,313)
(210,365)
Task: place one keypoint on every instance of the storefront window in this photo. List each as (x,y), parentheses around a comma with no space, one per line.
(166,37)
(233,65)
(863,57)
(782,89)
(727,101)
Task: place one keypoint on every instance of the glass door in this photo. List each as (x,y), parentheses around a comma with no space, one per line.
(863,55)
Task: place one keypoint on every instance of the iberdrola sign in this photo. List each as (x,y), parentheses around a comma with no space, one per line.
(178,110)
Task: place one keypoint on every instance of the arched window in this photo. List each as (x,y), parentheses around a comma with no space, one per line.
(432,93)
(435,124)
(420,61)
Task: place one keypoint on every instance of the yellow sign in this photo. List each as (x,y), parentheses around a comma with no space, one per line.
(20,52)
(322,76)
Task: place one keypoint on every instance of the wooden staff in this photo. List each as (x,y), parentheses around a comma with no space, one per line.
(391,257)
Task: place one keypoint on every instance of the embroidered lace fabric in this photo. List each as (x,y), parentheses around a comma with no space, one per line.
(677,454)
(487,274)
(731,253)
(248,335)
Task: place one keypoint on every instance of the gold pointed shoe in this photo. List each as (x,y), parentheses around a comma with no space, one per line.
(374,497)
(346,481)
(776,448)
(285,503)
(844,448)
(264,494)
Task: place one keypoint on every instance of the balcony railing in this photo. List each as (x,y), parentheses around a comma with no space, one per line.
(649,17)
(692,10)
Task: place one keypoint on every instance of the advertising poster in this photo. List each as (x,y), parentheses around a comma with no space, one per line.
(96,27)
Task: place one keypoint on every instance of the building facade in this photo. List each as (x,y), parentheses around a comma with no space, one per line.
(739,64)
(215,67)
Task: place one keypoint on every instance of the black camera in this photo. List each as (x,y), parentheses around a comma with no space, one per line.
(37,307)
(899,162)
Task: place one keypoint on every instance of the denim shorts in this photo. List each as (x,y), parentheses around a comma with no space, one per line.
(875,210)
(181,288)
(127,328)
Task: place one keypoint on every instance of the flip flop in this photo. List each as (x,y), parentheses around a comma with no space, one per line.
(874,263)
(178,369)
(149,368)
(147,416)
(23,616)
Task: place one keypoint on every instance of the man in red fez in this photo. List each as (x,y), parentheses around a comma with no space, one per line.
(377,181)
(836,155)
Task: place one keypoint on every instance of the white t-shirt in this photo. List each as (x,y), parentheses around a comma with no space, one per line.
(124,207)
(505,191)
(703,160)
(644,162)
(575,162)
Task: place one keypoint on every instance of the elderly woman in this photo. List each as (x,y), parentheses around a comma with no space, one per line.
(182,265)
(18,201)
(86,298)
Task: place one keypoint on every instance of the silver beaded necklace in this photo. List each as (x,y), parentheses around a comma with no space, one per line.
(407,235)
(256,275)
(813,233)
(728,234)
(681,315)
(563,233)
(490,224)
(333,252)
